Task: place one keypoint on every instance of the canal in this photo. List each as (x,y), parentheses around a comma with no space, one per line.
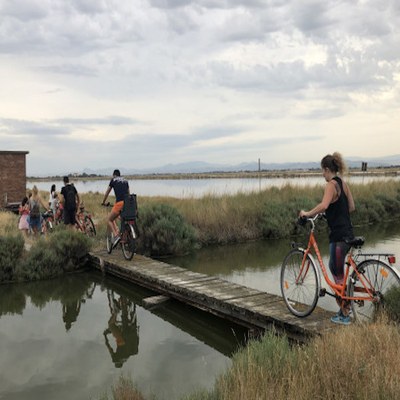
(186,188)
(73,337)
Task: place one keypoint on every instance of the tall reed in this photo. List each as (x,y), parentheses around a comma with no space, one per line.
(357,362)
(270,213)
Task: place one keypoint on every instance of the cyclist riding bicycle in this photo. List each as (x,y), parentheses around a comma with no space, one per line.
(121,188)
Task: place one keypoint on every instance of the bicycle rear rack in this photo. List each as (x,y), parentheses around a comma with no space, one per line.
(390,257)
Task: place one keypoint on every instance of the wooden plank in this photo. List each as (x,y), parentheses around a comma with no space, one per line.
(257,299)
(251,307)
(154,301)
(225,292)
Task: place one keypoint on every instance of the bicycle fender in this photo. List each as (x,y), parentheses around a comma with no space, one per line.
(317,268)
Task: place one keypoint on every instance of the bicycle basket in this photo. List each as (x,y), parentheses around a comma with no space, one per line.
(129,210)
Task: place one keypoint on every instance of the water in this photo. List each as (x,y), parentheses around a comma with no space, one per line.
(257,264)
(71,338)
(184,188)
(58,338)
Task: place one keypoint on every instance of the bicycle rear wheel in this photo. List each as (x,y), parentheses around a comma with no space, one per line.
(88,224)
(110,241)
(299,283)
(128,241)
(382,280)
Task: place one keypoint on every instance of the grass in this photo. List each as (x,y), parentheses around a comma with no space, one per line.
(8,223)
(352,363)
(270,213)
(355,362)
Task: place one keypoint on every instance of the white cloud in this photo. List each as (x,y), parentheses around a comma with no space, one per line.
(182,80)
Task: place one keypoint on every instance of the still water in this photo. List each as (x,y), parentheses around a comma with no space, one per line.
(71,338)
(185,188)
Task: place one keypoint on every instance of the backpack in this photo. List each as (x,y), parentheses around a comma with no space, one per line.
(70,201)
(129,209)
(34,209)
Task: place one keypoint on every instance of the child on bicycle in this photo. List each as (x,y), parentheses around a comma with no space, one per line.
(337,203)
(121,188)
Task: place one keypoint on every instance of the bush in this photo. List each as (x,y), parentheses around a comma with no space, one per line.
(163,231)
(279,219)
(11,249)
(63,251)
(71,248)
(41,263)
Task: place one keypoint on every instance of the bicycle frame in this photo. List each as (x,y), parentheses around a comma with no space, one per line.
(338,289)
(79,218)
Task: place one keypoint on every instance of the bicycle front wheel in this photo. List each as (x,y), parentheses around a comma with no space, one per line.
(382,281)
(128,242)
(90,229)
(299,283)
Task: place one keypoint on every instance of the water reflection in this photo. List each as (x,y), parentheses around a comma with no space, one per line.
(72,337)
(123,326)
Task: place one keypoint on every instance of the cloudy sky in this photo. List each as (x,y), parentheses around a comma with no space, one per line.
(144,83)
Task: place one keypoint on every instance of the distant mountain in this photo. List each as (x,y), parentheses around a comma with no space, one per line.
(200,166)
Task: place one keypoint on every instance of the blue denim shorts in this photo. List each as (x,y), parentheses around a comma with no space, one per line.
(34,222)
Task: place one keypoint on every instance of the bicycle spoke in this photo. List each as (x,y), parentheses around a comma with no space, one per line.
(299,285)
(380,279)
(128,241)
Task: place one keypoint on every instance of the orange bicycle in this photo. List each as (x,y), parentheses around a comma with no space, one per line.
(84,222)
(365,284)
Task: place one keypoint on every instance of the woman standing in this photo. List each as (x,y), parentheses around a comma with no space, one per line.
(53,199)
(34,210)
(337,203)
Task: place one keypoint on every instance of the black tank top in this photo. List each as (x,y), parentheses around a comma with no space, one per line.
(338,216)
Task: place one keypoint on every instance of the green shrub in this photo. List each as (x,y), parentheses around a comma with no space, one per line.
(163,231)
(63,251)
(41,262)
(278,220)
(11,249)
(71,248)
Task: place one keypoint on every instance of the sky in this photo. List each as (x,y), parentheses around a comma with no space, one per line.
(138,84)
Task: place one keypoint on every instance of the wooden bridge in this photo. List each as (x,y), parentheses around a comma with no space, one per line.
(248,307)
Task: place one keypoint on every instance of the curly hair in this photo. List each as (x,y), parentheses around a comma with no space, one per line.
(334,162)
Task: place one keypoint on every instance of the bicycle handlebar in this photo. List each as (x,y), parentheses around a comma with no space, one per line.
(303,220)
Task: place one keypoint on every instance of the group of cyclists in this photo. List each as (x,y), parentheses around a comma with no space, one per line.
(62,208)
(337,203)
(65,206)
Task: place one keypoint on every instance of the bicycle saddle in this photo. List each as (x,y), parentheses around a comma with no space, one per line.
(356,241)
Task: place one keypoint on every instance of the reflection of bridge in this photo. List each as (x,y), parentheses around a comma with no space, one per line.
(245,306)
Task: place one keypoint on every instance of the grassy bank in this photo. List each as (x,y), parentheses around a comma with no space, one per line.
(62,252)
(171,226)
(355,362)
(270,213)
